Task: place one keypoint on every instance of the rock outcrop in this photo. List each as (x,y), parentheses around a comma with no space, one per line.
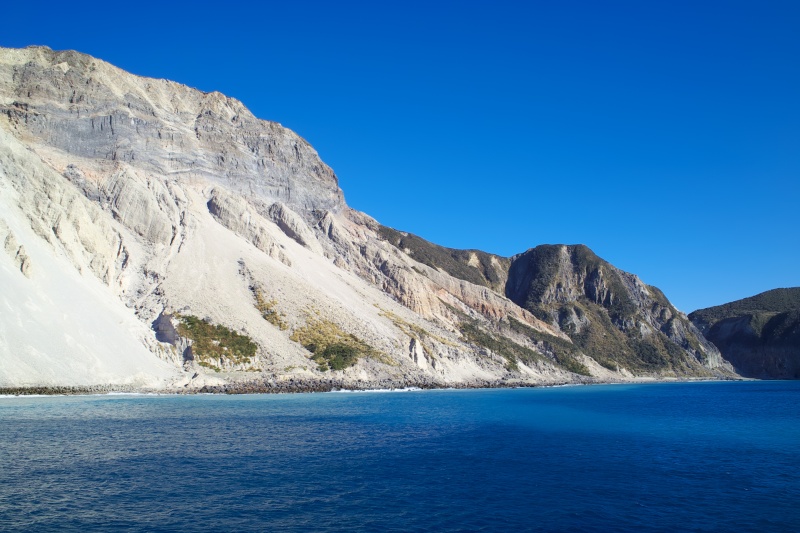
(610,314)
(14,250)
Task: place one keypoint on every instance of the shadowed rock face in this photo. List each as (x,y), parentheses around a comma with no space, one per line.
(163,201)
(759,335)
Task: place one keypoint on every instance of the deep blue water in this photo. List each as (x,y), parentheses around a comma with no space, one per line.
(657,457)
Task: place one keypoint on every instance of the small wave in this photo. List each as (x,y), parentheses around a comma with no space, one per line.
(404,389)
(116,393)
(87,394)
(25,396)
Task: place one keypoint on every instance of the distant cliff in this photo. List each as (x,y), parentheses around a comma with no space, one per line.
(759,335)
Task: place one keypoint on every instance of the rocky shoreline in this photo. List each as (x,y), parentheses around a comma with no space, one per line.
(327,385)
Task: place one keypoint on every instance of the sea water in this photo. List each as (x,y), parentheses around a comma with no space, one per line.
(654,457)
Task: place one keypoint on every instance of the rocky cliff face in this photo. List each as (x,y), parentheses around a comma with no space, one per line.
(759,335)
(70,103)
(179,212)
(610,314)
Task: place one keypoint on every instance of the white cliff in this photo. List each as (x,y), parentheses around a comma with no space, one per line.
(127,203)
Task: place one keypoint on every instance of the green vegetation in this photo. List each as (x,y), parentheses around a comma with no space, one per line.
(267,309)
(563,351)
(506,348)
(759,335)
(659,297)
(551,342)
(412,330)
(651,355)
(490,272)
(610,365)
(415,331)
(533,272)
(770,302)
(205,364)
(573,365)
(783,326)
(754,331)
(332,348)
(604,309)
(542,314)
(213,343)
(610,347)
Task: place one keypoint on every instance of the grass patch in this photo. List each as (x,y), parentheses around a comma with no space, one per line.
(573,365)
(213,343)
(415,331)
(609,365)
(267,309)
(774,301)
(475,266)
(564,352)
(332,348)
(553,343)
(508,349)
(458,313)
(205,364)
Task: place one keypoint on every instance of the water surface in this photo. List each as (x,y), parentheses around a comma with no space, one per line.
(656,457)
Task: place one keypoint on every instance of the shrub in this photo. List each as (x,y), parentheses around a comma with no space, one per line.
(489,272)
(508,349)
(572,364)
(268,311)
(332,348)
(564,352)
(213,342)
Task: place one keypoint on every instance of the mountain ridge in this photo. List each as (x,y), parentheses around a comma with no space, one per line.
(194,215)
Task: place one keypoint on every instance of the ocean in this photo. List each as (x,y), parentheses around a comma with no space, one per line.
(654,457)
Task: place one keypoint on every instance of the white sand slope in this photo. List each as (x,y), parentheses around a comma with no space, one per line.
(61,328)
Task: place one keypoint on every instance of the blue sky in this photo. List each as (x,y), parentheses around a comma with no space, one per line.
(665,135)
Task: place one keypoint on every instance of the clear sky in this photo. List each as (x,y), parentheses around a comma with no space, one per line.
(665,135)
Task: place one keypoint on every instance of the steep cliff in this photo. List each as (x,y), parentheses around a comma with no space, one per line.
(224,247)
(609,314)
(759,335)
